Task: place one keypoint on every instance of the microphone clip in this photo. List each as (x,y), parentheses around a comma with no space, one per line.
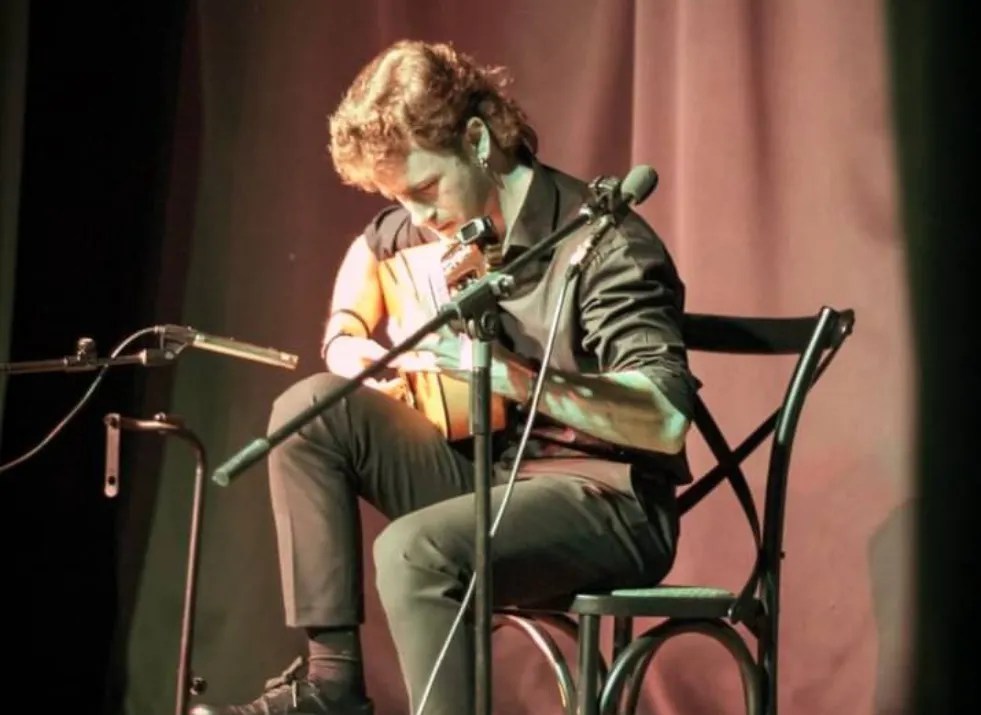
(607,199)
(609,205)
(174,339)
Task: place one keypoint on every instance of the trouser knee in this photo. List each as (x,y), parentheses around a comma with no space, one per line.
(412,559)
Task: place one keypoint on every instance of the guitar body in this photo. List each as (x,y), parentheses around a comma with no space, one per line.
(414,285)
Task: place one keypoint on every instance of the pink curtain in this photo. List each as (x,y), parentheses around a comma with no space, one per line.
(769,125)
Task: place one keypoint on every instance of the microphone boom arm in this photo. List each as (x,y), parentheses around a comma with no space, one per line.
(615,198)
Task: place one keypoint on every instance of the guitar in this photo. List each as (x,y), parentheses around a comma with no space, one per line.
(415,282)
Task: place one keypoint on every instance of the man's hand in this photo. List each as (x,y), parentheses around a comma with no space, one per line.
(444,351)
(452,353)
(348,355)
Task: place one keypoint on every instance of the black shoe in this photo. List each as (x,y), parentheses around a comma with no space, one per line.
(290,694)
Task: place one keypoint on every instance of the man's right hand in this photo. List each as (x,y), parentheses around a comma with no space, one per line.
(348,355)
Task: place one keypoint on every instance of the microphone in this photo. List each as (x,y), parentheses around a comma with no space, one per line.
(612,199)
(638,184)
(227,346)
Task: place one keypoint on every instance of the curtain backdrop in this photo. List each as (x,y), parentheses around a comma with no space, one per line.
(933,62)
(769,124)
(13,70)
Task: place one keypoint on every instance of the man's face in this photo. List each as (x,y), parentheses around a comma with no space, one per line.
(440,190)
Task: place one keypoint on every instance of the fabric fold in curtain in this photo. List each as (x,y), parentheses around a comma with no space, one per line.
(13,71)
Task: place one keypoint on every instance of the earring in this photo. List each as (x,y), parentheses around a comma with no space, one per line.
(483,162)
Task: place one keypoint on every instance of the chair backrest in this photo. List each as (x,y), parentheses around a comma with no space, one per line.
(815,340)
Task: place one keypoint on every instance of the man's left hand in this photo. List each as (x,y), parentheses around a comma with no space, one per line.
(445,351)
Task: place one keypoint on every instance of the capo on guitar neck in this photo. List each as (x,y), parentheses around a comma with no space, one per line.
(479,231)
(475,248)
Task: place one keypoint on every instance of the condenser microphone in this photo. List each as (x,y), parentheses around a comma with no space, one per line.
(638,184)
(228,346)
(612,199)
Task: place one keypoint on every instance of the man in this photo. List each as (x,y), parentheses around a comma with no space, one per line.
(426,127)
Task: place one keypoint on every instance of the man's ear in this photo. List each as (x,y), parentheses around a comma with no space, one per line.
(478,139)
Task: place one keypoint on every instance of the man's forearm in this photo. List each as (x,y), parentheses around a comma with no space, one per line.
(625,408)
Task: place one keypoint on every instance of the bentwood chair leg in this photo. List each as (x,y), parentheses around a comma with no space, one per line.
(587,702)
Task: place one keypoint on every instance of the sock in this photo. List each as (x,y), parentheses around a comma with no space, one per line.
(335,660)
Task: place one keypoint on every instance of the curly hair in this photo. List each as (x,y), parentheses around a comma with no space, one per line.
(416,94)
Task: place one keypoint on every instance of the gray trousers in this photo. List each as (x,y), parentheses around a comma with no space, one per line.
(560,534)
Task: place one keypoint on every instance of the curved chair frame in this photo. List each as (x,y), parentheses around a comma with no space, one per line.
(698,609)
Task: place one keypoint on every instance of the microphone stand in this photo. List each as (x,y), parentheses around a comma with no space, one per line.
(169,425)
(86,360)
(476,307)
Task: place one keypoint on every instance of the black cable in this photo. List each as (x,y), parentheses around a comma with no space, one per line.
(81,403)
